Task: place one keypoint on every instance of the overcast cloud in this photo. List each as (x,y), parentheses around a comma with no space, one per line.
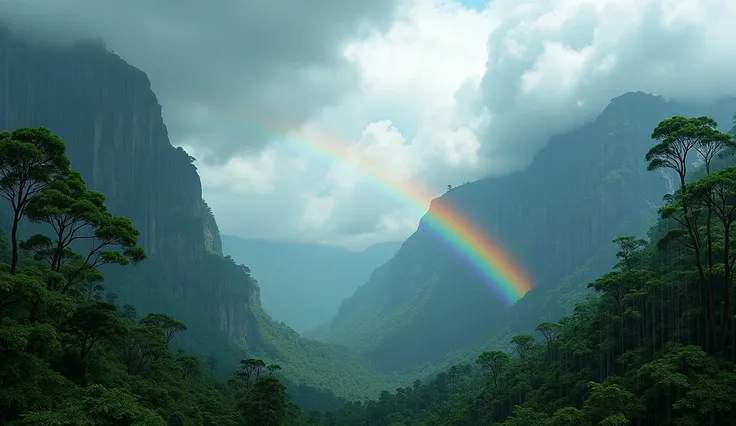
(254,59)
(436,92)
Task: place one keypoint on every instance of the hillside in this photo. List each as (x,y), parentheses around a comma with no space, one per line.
(556,218)
(637,352)
(308,292)
(111,122)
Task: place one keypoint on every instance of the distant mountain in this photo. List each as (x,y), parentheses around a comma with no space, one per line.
(304,284)
(556,218)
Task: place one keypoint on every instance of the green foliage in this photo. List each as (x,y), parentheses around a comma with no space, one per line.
(70,358)
(95,405)
(30,161)
(320,365)
(656,347)
(4,248)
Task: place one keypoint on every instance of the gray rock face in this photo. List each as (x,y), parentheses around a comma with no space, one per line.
(111,121)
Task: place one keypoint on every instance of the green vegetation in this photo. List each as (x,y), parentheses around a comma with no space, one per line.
(320,365)
(556,217)
(657,347)
(68,356)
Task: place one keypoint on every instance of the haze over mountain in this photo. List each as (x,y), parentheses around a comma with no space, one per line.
(304,284)
(413,308)
(366,75)
(115,137)
(316,132)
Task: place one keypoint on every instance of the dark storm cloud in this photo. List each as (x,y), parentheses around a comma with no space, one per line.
(221,68)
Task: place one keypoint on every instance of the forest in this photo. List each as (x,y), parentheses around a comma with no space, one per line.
(656,346)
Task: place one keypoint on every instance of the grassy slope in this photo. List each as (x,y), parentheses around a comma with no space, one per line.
(321,365)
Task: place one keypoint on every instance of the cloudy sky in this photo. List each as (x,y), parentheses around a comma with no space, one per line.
(416,93)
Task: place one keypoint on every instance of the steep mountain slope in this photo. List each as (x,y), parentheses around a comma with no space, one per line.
(308,292)
(557,219)
(111,121)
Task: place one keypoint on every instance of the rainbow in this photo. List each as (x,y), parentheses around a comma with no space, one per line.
(496,267)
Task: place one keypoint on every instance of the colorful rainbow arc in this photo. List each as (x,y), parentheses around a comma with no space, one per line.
(471,244)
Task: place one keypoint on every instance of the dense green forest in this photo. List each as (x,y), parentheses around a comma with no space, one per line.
(69,355)
(656,347)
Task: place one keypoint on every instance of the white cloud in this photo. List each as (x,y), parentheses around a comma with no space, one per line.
(406,129)
(449,94)
(557,63)
(444,95)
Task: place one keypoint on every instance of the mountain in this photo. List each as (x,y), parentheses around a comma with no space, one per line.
(112,124)
(556,219)
(111,120)
(303,284)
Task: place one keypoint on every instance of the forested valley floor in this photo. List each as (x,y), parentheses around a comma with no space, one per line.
(657,346)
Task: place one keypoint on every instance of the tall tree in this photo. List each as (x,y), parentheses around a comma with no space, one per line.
(678,137)
(629,247)
(87,327)
(168,324)
(75,213)
(495,362)
(30,160)
(522,344)
(718,192)
(549,330)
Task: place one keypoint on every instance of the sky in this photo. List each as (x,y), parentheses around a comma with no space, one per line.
(416,93)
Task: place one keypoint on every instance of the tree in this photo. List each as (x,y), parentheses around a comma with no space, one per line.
(96,405)
(76,214)
(190,365)
(629,247)
(170,326)
(267,403)
(495,361)
(677,137)
(634,354)
(68,358)
(211,364)
(718,192)
(30,160)
(87,326)
(550,331)
(522,344)
(70,210)
(610,404)
(250,370)
(272,368)
(140,346)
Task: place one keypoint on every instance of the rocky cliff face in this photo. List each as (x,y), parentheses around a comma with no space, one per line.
(111,121)
(557,219)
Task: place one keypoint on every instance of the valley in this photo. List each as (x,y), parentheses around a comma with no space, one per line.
(306,295)
(122,302)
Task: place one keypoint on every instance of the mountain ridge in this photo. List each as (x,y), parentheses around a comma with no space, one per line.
(307,293)
(112,124)
(597,168)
